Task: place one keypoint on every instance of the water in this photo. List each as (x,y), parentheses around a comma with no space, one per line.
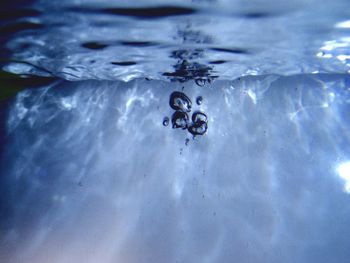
(182,131)
(179,40)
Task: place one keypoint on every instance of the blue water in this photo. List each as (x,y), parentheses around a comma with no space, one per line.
(183,131)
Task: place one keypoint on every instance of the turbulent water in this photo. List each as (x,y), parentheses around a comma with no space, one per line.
(179,39)
(182,131)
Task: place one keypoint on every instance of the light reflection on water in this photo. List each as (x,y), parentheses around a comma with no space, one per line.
(343,170)
(93,175)
(181,40)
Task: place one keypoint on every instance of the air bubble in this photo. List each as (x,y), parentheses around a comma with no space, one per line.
(200,82)
(180,120)
(199,125)
(198,128)
(180,102)
(199,100)
(166,121)
(199,116)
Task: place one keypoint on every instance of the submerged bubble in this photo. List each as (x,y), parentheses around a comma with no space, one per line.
(166,121)
(200,82)
(199,124)
(199,116)
(198,128)
(180,120)
(179,101)
(199,100)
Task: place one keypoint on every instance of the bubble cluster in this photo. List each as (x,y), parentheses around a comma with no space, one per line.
(198,125)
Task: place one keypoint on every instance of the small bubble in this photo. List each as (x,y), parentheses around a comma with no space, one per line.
(166,121)
(200,82)
(199,100)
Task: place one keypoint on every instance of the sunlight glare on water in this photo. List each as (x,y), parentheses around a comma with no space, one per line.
(344,172)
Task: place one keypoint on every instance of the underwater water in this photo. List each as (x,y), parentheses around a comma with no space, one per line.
(182,131)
